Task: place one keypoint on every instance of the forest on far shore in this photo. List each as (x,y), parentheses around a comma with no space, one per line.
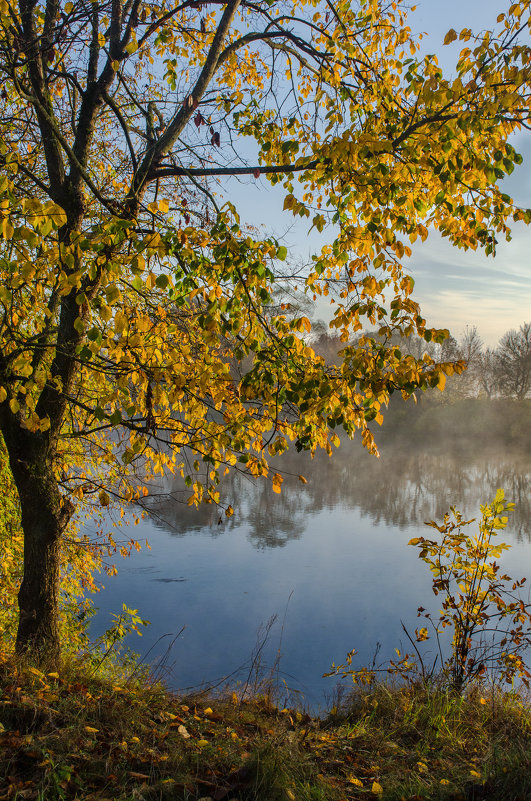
(500,372)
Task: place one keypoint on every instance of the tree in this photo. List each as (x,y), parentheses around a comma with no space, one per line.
(487,372)
(470,350)
(130,297)
(513,362)
(78,571)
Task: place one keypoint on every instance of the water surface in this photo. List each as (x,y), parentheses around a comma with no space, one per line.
(329,558)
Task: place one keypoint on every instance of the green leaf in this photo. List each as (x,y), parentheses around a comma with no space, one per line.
(162,281)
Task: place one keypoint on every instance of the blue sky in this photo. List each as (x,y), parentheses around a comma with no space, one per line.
(454,288)
(457,288)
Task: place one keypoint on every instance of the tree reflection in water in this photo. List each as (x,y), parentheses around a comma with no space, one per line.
(335,546)
(406,486)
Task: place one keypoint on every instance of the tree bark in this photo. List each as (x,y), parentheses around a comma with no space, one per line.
(44,516)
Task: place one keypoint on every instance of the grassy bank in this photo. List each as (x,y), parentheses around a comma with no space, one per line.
(71,736)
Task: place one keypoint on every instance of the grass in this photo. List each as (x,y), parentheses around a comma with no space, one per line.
(74,737)
(431,744)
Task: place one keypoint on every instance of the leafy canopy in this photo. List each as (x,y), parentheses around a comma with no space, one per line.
(133,300)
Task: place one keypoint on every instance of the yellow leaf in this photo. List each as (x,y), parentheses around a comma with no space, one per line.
(202,743)
(376,788)
(450,37)
(277,482)
(476,774)
(444,781)
(302,480)
(442,381)
(207,711)
(354,781)
(91,730)
(289,200)
(14,405)
(3,394)
(482,701)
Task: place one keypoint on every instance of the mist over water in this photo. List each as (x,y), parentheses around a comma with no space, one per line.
(329,557)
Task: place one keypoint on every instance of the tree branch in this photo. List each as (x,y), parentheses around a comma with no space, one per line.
(198,172)
(112,105)
(177,124)
(52,153)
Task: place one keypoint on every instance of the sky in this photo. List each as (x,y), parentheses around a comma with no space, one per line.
(457,288)
(454,288)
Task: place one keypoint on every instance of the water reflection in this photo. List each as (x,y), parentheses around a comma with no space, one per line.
(333,550)
(401,489)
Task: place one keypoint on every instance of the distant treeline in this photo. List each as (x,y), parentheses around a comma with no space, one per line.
(500,372)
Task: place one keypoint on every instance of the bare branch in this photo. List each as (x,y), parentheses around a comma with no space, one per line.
(198,172)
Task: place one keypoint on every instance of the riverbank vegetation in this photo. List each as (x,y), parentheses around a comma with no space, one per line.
(71,735)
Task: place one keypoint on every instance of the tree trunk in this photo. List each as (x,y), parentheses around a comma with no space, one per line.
(44,516)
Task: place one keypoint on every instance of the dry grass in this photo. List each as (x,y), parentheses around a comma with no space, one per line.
(75,738)
(431,744)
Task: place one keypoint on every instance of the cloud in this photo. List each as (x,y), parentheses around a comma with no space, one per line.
(456,288)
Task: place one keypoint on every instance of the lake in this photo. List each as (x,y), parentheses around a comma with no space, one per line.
(328,558)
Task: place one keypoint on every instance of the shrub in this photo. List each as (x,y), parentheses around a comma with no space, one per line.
(489,621)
